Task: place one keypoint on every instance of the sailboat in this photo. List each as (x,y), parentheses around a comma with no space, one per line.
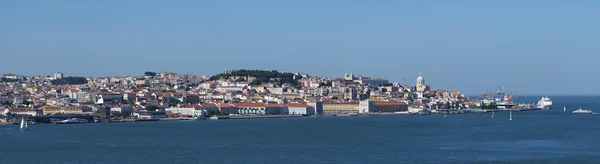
(565,109)
(23,123)
(492,113)
(510,118)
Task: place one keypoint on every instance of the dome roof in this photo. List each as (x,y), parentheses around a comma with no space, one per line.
(420,77)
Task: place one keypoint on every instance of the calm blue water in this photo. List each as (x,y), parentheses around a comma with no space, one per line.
(532,137)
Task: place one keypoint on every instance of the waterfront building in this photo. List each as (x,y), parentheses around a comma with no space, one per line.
(182,111)
(150,114)
(50,110)
(250,108)
(331,108)
(390,106)
(276,109)
(317,106)
(261,109)
(53,110)
(122,110)
(366,106)
(226,108)
(26,111)
(417,108)
(300,109)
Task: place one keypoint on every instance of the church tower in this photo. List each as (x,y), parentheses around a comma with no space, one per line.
(349,77)
(421,83)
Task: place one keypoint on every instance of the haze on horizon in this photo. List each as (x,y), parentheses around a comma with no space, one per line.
(533,47)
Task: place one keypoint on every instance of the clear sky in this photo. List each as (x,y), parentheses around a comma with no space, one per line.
(533,47)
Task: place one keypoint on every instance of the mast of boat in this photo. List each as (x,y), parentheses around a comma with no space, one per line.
(23,123)
(510,118)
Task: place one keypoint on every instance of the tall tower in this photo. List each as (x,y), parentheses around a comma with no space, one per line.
(58,75)
(421,83)
(349,77)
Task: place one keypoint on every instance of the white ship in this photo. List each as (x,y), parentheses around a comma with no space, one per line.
(70,121)
(545,103)
(581,111)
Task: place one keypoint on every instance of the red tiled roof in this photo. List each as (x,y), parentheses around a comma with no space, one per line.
(340,103)
(274,105)
(249,104)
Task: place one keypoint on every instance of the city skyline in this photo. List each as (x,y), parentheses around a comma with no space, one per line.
(539,47)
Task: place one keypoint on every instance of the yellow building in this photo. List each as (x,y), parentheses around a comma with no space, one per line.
(341,108)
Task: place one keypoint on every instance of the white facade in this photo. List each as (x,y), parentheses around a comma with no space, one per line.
(30,112)
(182,111)
(58,75)
(123,110)
(366,106)
(277,91)
(10,76)
(301,110)
(82,96)
(229,89)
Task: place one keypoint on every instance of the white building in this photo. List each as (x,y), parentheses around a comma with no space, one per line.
(366,106)
(276,91)
(229,89)
(10,76)
(122,110)
(182,111)
(300,109)
(58,75)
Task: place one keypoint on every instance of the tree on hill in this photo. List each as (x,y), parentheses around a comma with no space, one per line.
(148,73)
(151,108)
(174,103)
(8,80)
(26,102)
(7,103)
(322,84)
(241,79)
(492,105)
(261,76)
(70,81)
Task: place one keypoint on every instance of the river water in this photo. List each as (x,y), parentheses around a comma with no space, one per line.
(531,137)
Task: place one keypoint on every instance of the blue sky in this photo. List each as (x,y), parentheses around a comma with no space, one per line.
(533,47)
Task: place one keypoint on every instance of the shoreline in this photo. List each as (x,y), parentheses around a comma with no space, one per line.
(238,117)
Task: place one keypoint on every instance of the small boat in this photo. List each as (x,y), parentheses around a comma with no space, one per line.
(510,117)
(581,111)
(565,109)
(23,123)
